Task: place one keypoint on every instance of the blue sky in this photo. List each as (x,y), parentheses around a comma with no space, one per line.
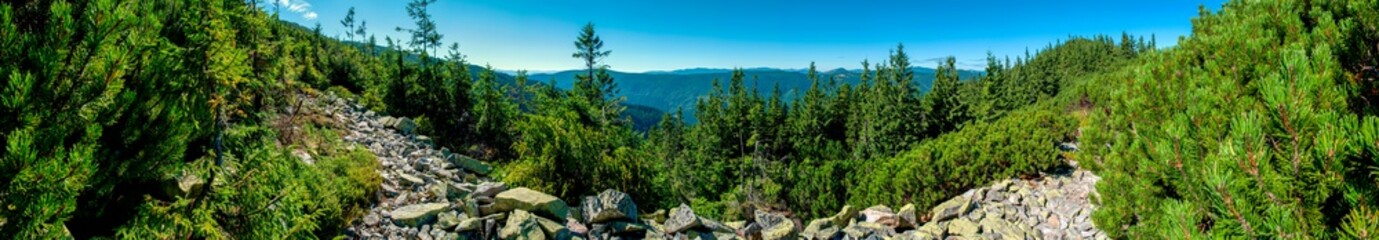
(664,35)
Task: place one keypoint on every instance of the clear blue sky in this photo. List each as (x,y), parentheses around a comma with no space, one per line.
(664,35)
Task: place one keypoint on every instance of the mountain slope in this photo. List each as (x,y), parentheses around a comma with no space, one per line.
(680,89)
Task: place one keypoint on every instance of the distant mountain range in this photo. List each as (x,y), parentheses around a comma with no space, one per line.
(668,91)
(680,89)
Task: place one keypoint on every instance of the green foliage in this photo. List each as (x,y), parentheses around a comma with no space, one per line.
(265,192)
(976,155)
(1242,130)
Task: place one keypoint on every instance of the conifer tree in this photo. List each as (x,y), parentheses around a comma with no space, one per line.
(595,85)
(348,23)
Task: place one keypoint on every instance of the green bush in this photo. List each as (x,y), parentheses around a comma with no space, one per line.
(1023,143)
(1243,130)
(264,191)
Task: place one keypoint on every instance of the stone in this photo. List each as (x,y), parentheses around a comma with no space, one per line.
(775,226)
(447,220)
(470,164)
(438,191)
(522,225)
(950,209)
(931,229)
(681,218)
(387,121)
(410,179)
(456,191)
(736,224)
(715,226)
(185,186)
(880,214)
(470,208)
(607,206)
(622,227)
(844,216)
(868,229)
(532,201)
(822,228)
(749,231)
(552,228)
(907,217)
(470,224)
(406,125)
(1004,229)
(963,227)
(417,214)
(659,216)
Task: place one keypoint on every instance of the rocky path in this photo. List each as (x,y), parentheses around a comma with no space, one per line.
(431,193)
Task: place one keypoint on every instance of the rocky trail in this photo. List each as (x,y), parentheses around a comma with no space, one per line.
(431,193)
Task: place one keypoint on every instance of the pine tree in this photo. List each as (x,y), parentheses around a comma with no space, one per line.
(595,85)
(348,23)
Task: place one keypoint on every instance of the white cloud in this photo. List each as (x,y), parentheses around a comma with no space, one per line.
(298,6)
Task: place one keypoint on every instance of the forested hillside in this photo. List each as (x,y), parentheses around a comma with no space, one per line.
(669,91)
(186,119)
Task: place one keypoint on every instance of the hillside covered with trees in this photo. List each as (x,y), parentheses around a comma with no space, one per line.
(186,119)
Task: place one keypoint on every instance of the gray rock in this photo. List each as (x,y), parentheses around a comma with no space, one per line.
(414,215)
(470,224)
(863,230)
(822,228)
(455,191)
(533,201)
(907,217)
(489,189)
(963,227)
(406,125)
(952,208)
(607,206)
(681,218)
(447,220)
(410,179)
(522,225)
(775,226)
(882,215)
(470,164)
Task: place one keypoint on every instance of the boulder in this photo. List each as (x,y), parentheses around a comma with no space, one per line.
(822,228)
(1001,229)
(455,191)
(411,179)
(448,220)
(489,189)
(775,226)
(658,217)
(552,228)
(907,217)
(406,125)
(844,216)
(622,227)
(387,121)
(470,164)
(963,227)
(470,224)
(681,218)
(417,214)
(532,201)
(951,209)
(863,230)
(522,225)
(880,214)
(607,206)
